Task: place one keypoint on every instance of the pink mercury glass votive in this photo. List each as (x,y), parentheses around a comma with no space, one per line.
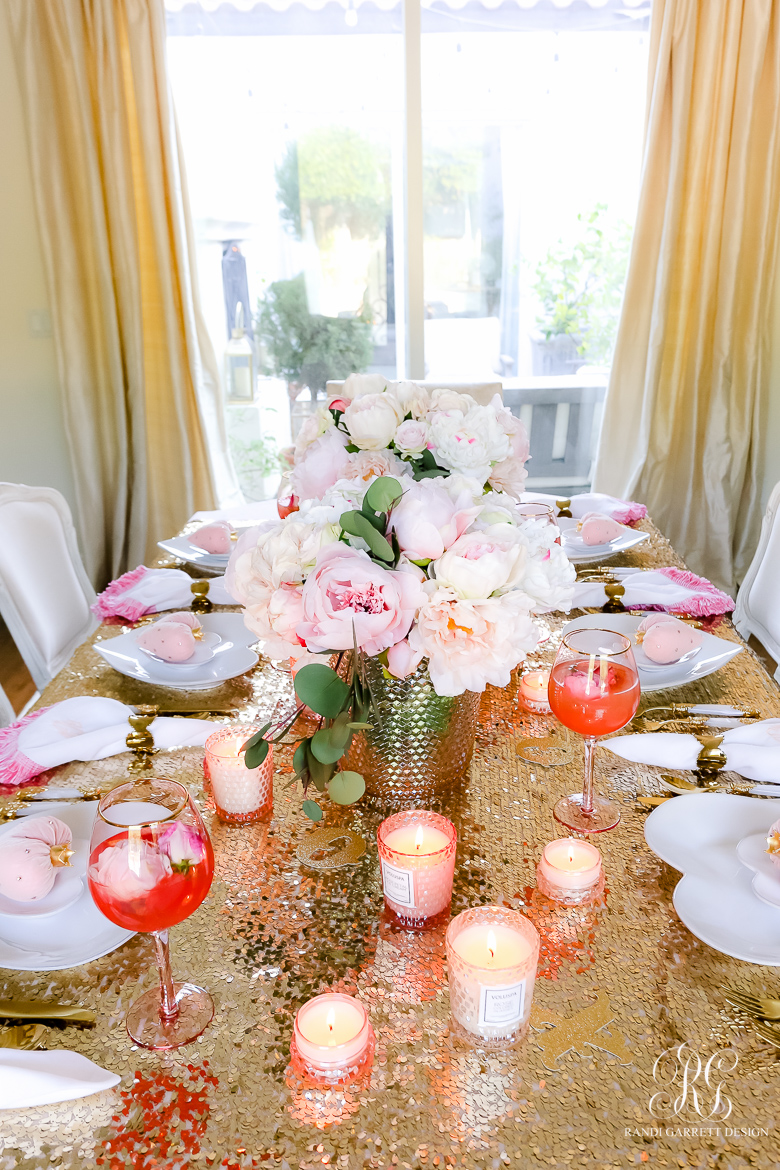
(492,956)
(570,871)
(332,1038)
(417,858)
(240,794)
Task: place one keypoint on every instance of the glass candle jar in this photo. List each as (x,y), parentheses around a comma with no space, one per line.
(492,956)
(240,794)
(417,858)
(570,871)
(332,1038)
(532,693)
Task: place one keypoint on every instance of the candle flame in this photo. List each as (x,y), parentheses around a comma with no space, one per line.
(571,853)
(491,944)
(418,838)
(330,1020)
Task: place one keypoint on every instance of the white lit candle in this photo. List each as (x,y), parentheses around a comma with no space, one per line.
(533,691)
(332,1034)
(240,794)
(492,955)
(417,858)
(570,871)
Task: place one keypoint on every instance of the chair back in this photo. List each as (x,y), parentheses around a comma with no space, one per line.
(562,416)
(45,593)
(483,392)
(7,713)
(757,611)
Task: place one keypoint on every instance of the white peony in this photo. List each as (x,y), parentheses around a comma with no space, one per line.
(411,438)
(469,644)
(442,400)
(344,496)
(372,420)
(284,555)
(481,564)
(414,400)
(470,444)
(548,575)
(313,428)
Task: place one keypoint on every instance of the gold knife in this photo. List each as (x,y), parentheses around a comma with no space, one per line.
(29,1009)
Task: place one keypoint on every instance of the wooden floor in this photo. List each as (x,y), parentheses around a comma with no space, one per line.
(14,676)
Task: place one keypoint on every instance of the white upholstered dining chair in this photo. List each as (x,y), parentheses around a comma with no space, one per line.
(45,593)
(7,713)
(758,609)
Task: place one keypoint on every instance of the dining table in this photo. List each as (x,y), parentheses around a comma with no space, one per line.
(622,984)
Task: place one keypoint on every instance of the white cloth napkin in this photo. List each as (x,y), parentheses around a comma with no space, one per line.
(671,589)
(43,1078)
(143,591)
(753,750)
(240,513)
(624,511)
(84,728)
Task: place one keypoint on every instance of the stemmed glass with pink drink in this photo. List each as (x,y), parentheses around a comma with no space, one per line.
(150,866)
(594,690)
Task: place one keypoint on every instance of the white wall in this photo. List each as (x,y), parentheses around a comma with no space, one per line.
(33,447)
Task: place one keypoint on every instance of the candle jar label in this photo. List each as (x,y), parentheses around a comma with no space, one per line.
(398,884)
(501,1005)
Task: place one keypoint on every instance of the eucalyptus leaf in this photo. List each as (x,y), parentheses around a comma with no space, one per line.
(327,744)
(383,493)
(256,754)
(312,810)
(346,787)
(319,772)
(299,757)
(356,524)
(429,474)
(320,688)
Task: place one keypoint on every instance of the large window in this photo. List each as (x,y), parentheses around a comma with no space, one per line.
(445,191)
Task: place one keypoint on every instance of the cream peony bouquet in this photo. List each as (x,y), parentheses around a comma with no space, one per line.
(404,567)
(376,427)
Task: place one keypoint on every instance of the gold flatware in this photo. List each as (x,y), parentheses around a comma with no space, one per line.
(29,1009)
(653,801)
(25,1036)
(768,1033)
(680,784)
(753,1005)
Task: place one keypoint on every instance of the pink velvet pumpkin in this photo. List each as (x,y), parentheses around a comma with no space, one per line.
(30,855)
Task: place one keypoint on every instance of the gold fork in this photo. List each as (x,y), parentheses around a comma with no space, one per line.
(753,1005)
(771,1035)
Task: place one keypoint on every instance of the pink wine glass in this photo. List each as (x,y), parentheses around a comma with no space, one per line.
(150,866)
(594,690)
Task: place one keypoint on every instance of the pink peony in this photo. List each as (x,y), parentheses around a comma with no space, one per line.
(338,404)
(348,591)
(514,428)
(324,462)
(367,465)
(480,564)
(411,438)
(509,476)
(275,619)
(402,660)
(128,870)
(469,644)
(427,520)
(182,843)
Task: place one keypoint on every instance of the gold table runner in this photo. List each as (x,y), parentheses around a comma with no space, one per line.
(616,986)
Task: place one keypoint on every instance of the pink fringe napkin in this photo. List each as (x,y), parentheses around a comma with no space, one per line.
(624,511)
(669,590)
(143,591)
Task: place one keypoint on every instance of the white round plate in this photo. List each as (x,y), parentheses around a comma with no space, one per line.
(232,656)
(751,851)
(715,898)
(67,889)
(180,547)
(205,649)
(580,553)
(77,934)
(713,653)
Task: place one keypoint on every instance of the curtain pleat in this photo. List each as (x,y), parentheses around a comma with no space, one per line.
(689,388)
(106,176)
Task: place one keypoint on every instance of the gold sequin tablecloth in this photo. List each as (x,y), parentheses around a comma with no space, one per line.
(616,986)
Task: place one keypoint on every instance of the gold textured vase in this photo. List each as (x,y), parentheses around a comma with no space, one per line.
(419,745)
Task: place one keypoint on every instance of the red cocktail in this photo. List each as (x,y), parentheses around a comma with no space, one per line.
(594,690)
(150,866)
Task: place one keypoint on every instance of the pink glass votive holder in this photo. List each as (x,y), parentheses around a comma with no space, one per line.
(492,956)
(532,694)
(417,859)
(332,1040)
(570,872)
(241,794)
